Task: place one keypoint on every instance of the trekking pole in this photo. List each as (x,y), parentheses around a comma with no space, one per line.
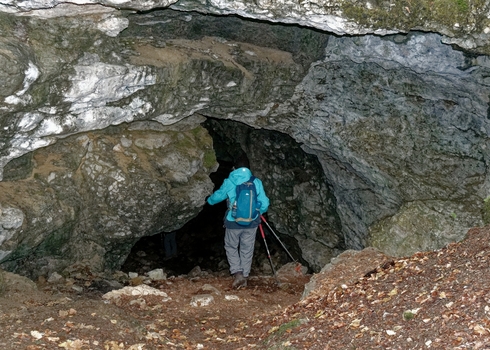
(267,248)
(287,251)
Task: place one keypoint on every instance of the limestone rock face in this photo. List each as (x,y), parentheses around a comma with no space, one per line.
(464,23)
(389,132)
(100,111)
(103,191)
(73,78)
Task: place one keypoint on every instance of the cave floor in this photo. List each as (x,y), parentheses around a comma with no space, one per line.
(431,300)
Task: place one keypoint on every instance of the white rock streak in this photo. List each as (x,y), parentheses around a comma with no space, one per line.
(307,13)
(30,76)
(94,85)
(40,5)
(29,121)
(49,126)
(112,26)
(97,83)
(11,219)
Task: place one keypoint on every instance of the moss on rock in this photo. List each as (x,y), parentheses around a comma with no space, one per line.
(420,226)
(448,16)
(486,211)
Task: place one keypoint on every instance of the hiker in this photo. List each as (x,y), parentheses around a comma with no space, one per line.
(240,238)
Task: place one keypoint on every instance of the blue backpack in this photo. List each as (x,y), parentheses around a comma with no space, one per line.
(246,207)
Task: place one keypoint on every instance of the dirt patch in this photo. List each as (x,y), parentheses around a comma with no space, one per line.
(53,316)
(208,48)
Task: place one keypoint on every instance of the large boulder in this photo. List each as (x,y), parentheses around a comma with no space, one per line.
(422,226)
(91,196)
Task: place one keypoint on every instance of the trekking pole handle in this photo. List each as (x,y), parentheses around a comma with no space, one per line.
(262,217)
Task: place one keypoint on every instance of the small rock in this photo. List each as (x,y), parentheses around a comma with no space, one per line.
(291,271)
(136,291)
(118,148)
(54,277)
(77,288)
(16,283)
(36,335)
(105,285)
(136,281)
(232,297)
(202,300)
(132,275)
(223,265)
(120,276)
(141,303)
(157,275)
(195,272)
(125,142)
(210,288)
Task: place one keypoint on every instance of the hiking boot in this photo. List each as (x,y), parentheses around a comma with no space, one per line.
(239,281)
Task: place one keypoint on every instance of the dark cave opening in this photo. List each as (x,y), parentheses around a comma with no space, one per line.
(200,243)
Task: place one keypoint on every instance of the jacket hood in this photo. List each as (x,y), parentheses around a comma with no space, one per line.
(240,175)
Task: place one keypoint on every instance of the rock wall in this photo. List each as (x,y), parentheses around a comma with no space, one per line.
(400,127)
(464,23)
(395,134)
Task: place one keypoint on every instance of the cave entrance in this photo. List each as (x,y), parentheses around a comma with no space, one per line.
(285,169)
(199,244)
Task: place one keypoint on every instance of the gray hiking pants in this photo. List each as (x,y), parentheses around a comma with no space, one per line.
(239,247)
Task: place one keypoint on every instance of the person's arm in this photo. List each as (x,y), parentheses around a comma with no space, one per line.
(220,194)
(261,196)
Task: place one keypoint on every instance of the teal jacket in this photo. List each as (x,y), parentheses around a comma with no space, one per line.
(228,191)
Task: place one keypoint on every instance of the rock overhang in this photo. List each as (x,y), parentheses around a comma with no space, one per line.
(464,23)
